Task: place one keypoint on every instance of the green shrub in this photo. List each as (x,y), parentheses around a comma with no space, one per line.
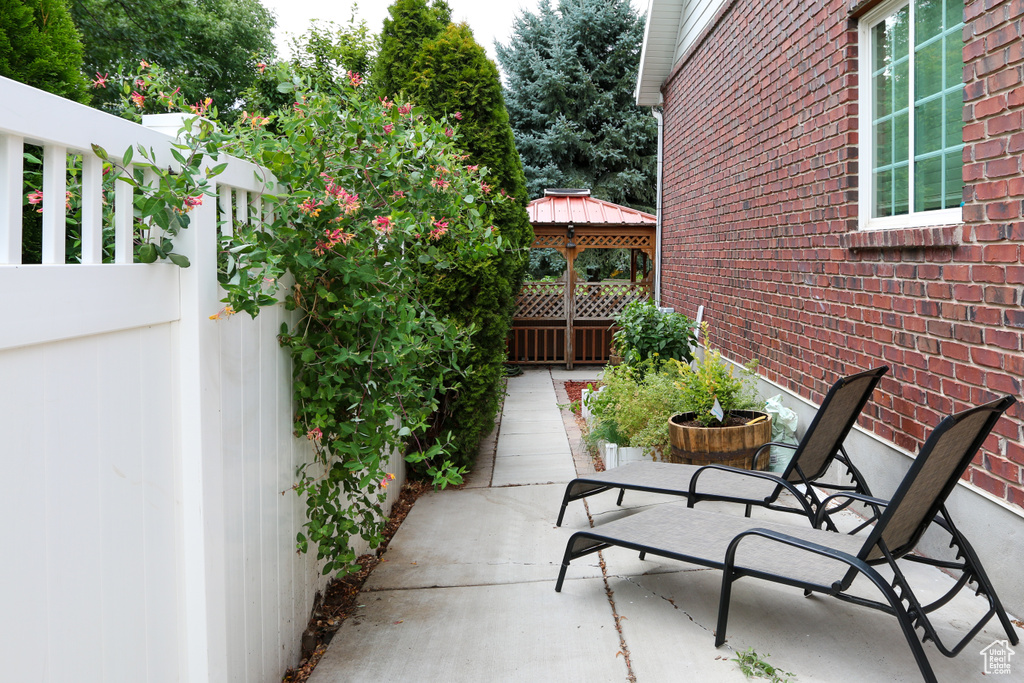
(634,407)
(645,333)
(710,379)
(450,76)
(39,46)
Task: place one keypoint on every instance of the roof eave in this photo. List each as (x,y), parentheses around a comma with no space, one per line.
(656,55)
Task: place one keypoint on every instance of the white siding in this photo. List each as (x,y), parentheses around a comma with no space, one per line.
(696,15)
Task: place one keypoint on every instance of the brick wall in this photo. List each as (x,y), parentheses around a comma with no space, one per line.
(760,224)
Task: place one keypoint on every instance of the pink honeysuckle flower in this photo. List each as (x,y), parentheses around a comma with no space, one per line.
(137,99)
(386,103)
(262,67)
(449,132)
(140,84)
(405,108)
(383,224)
(458,116)
(192,202)
(225,312)
(143,64)
(388,128)
(355,79)
(398,194)
(438,233)
(474,167)
(200,108)
(311,207)
(388,478)
(35,197)
(485,188)
(439,183)
(100,81)
(314,434)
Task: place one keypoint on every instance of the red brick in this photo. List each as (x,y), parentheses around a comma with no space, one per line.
(1001,296)
(1002,253)
(1015,98)
(987,482)
(1007,123)
(1003,339)
(988,274)
(1002,167)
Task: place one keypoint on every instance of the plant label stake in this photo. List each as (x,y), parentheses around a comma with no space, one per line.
(717,412)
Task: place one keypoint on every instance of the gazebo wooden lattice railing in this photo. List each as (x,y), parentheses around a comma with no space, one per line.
(570,321)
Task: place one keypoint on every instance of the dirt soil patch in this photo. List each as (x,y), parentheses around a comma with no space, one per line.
(575,391)
(341,597)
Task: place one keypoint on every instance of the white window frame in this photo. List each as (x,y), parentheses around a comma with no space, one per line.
(912,219)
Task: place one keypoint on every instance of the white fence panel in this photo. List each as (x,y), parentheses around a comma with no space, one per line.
(88,515)
(147,527)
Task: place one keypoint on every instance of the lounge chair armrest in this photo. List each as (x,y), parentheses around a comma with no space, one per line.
(790,446)
(876,505)
(769,476)
(802,544)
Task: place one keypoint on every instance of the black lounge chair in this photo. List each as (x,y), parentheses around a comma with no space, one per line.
(821,561)
(822,443)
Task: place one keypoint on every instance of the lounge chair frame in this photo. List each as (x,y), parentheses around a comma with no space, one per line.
(811,459)
(898,525)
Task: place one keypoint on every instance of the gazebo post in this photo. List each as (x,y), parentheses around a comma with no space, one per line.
(570,296)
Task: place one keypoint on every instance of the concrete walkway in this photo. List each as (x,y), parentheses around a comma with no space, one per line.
(466,589)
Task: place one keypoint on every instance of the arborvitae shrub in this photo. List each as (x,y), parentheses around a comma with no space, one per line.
(40,46)
(451,76)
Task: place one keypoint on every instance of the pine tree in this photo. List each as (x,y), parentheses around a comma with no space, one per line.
(448,73)
(571,72)
(39,46)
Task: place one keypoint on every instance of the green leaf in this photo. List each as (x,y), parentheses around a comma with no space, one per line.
(146,253)
(100,152)
(285,87)
(179,260)
(129,154)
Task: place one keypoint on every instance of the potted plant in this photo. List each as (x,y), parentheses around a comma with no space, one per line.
(647,334)
(721,423)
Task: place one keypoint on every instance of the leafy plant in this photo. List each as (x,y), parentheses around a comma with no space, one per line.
(442,68)
(709,380)
(645,333)
(373,201)
(634,407)
(754,665)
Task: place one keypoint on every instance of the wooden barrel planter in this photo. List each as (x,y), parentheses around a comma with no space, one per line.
(733,446)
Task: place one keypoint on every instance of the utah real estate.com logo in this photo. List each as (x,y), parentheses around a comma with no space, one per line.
(997,657)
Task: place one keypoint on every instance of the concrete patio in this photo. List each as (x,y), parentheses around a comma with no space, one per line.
(466,588)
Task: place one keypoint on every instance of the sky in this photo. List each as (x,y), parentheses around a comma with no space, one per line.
(489,19)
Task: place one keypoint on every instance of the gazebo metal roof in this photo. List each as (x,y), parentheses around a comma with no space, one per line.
(577,207)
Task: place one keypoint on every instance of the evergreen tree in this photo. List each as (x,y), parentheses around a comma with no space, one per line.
(39,46)
(210,47)
(450,75)
(571,72)
(410,25)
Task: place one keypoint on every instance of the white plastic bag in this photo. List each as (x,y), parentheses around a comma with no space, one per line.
(783,431)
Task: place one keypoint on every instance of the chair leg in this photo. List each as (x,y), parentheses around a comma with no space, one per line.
(643,554)
(723,606)
(622,492)
(565,502)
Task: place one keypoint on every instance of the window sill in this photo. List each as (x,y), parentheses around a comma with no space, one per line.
(947,236)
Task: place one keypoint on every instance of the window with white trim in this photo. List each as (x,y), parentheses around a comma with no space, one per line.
(911,114)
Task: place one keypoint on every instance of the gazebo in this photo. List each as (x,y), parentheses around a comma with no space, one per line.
(567,318)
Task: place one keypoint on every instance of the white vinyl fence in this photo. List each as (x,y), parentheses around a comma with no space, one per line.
(147,529)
